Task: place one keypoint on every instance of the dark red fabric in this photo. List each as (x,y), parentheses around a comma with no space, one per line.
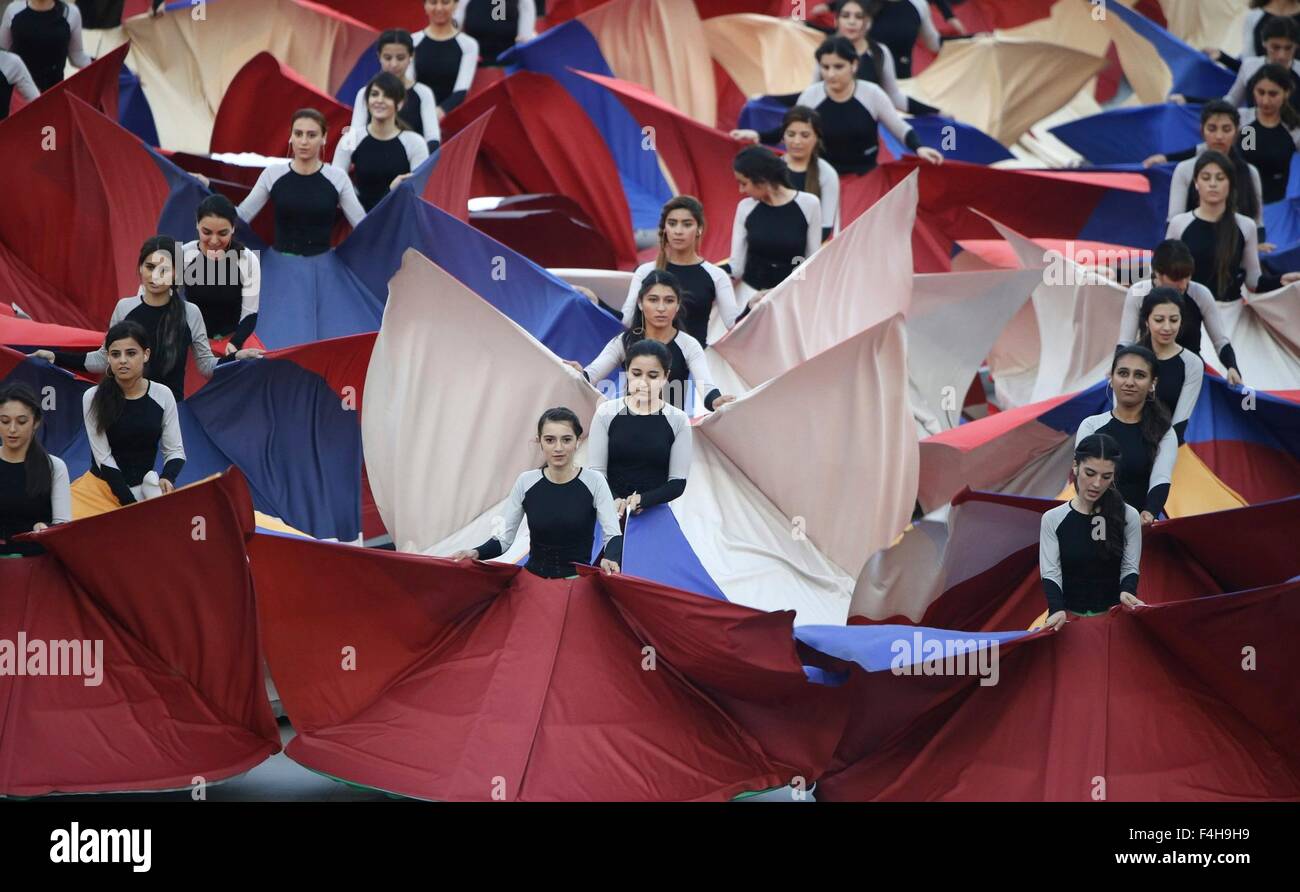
(182,693)
(1155,704)
(985,15)
(382,14)
(96,197)
(1255,471)
(541,141)
(553,237)
(448,186)
(482,679)
(697,156)
(731,101)
(266,89)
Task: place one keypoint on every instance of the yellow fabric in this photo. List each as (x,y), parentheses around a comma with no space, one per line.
(1196,489)
(276,525)
(92,496)
(659,44)
(1038,623)
(185,65)
(1003,85)
(762,54)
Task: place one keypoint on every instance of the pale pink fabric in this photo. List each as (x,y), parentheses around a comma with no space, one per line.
(764,55)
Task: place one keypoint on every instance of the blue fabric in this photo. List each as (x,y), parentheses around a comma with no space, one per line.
(655,548)
(1193,72)
(1136,219)
(547,308)
(133,111)
(62,422)
(1282,218)
(877,648)
(1285,260)
(1067,416)
(1220,415)
(572,45)
(367,67)
(765,112)
(1132,134)
(306,299)
(957,141)
(292,437)
(177,215)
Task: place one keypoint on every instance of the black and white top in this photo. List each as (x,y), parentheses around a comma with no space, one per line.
(495,32)
(886,78)
(446,67)
(1178,387)
(304,205)
(898,25)
(769,241)
(419,110)
(128,450)
(193,337)
(703,286)
(1078,572)
(379,161)
(227,290)
(1198,306)
(687,358)
(19,512)
(850,127)
(1182,189)
(14,76)
(1252,31)
(830,194)
(44,40)
(1241,97)
(1198,235)
(648,454)
(561,522)
(1270,149)
(1143,482)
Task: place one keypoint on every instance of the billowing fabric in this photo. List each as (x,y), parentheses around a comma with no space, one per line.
(957,141)
(1132,134)
(180,694)
(186,64)
(540,140)
(1205,23)
(381,14)
(443,180)
(486,682)
(1003,86)
(1206,731)
(693,154)
(660,44)
(763,55)
(1157,63)
(264,92)
(1267,330)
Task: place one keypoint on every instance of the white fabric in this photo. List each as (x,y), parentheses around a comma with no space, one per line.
(1266,337)
(610,286)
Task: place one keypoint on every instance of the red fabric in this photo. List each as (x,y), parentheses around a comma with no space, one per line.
(96,198)
(541,141)
(483,679)
(550,237)
(1257,472)
(1151,9)
(1109,78)
(697,156)
(1001,253)
(25,333)
(985,15)
(1154,702)
(96,84)
(731,101)
(448,186)
(382,14)
(182,693)
(264,90)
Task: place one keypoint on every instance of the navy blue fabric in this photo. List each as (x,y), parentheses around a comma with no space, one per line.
(1193,72)
(878,648)
(133,110)
(1132,134)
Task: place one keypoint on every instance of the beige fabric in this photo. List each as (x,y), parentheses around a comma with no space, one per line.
(1206,23)
(831,441)
(445,432)
(1071,23)
(185,65)
(765,56)
(1265,333)
(661,45)
(1146,72)
(861,277)
(1003,85)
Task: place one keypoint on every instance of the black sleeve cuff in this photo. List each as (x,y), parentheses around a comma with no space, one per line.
(614,550)
(944,9)
(453,100)
(244,330)
(771,137)
(117,483)
(916,107)
(713,395)
(70,359)
(1228,357)
(1232,63)
(1129,584)
(1156,499)
(661,494)
(1181,156)
(1268,282)
(489,549)
(1055,597)
(913,140)
(172,469)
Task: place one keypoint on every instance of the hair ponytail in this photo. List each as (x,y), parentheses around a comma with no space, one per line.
(1226,232)
(802,114)
(653,278)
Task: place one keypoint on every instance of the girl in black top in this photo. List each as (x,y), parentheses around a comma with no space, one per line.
(223,278)
(900,23)
(127,416)
(1270,131)
(387,150)
(562,503)
(853,21)
(174,324)
(809,171)
(419,108)
(1139,423)
(45,34)
(1179,371)
(14,76)
(306,191)
(642,443)
(1090,548)
(775,228)
(446,58)
(34,490)
(497,25)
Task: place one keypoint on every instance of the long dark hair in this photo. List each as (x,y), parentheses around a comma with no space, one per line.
(108,402)
(1111,505)
(1157,297)
(391,86)
(653,278)
(218,205)
(40,476)
(677,203)
(802,114)
(1247,198)
(1226,231)
(870,9)
(173,325)
(1155,417)
(560,415)
(838,46)
(1174,259)
(1282,77)
(759,164)
(649,347)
